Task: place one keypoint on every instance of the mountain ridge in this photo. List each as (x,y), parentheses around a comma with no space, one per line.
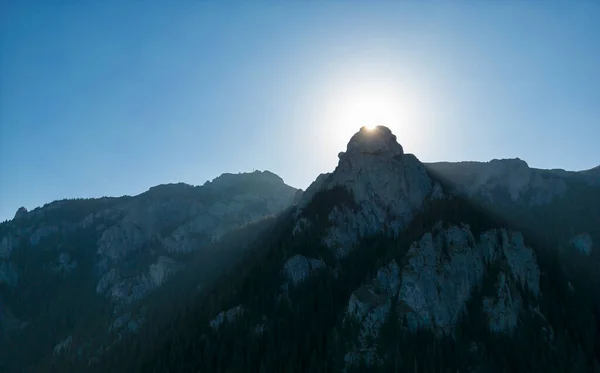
(106,255)
(303,307)
(380,257)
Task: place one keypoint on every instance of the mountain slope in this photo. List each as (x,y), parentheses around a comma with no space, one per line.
(553,205)
(73,273)
(380,267)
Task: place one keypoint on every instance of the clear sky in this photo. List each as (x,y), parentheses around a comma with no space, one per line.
(112,97)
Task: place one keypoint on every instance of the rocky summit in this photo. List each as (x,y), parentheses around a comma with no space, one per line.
(112,253)
(385,264)
(386,188)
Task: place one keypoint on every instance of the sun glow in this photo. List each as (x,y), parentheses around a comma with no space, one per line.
(354,106)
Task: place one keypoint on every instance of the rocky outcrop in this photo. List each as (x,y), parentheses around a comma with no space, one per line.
(298,268)
(387,187)
(64,264)
(119,240)
(163,268)
(63,346)
(21,212)
(202,215)
(503,310)
(128,289)
(583,243)
(230,315)
(107,280)
(503,180)
(442,271)
(43,232)
(126,323)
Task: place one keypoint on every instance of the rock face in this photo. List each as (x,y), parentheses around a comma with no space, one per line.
(21,212)
(504,181)
(198,217)
(163,267)
(64,264)
(583,243)
(128,246)
(441,272)
(298,268)
(63,346)
(562,206)
(386,186)
(229,315)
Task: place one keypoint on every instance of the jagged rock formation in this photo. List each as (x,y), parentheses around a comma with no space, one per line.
(583,243)
(125,247)
(557,205)
(385,188)
(299,267)
(378,254)
(504,180)
(21,212)
(63,346)
(383,265)
(442,271)
(230,315)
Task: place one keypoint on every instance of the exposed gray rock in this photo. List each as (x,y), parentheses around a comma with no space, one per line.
(298,268)
(513,176)
(230,315)
(521,261)
(21,213)
(107,281)
(41,233)
(130,289)
(120,322)
(63,346)
(503,312)
(64,264)
(438,192)
(583,243)
(117,241)
(127,323)
(443,269)
(387,186)
(182,225)
(163,268)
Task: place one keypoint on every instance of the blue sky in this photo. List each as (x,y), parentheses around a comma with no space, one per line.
(112,97)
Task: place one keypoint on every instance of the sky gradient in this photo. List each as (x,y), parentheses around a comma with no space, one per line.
(112,97)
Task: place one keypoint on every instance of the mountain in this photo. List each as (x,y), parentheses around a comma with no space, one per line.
(73,273)
(384,264)
(554,204)
(387,264)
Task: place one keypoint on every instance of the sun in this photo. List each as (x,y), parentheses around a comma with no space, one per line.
(356,106)
(351,101)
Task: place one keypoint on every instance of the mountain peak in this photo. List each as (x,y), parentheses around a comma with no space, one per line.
(228,179)
(378,186)
(377,141)
(21,212)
